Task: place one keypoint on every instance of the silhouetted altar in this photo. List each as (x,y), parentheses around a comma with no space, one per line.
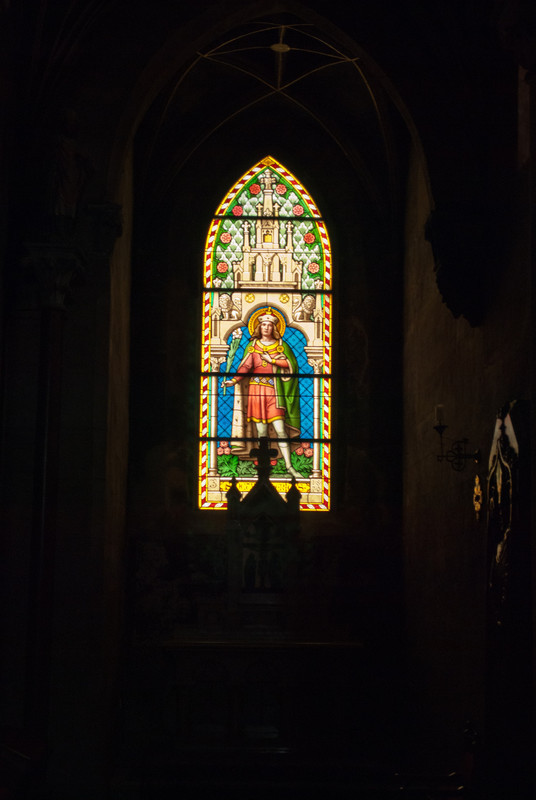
(261,684)
(262,549)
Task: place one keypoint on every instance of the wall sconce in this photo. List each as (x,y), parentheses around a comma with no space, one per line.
(457,456)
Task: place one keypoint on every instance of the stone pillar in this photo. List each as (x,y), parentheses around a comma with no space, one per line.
(52,267)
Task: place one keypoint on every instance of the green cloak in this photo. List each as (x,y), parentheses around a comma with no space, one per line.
(287,388)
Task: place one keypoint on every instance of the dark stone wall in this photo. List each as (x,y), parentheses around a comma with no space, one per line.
(470,371)
(400,564)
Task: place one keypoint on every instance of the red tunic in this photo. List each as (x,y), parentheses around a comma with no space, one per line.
(262,398)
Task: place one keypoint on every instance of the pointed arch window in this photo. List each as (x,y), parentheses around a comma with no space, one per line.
(266,340)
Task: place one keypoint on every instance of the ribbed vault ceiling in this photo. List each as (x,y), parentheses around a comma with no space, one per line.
(273,79)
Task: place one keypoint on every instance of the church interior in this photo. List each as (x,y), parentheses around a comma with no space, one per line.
(140,659)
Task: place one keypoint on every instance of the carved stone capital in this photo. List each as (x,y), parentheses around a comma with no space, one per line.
(107,226)
(316,364)
(51,267)
(315,357)
(215,362)
(515,21)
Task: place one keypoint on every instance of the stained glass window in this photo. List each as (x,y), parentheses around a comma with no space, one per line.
(266,340)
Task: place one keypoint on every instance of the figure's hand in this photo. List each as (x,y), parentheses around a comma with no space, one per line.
(228,382)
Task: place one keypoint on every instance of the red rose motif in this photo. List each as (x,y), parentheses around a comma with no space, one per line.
(281,188)
(313,268)
(309,238)
(273,463)
(254,188)
(226,237)
(224,444)
(227,451)
(297,211)
(299,451)
(305,445)
(238,211)
(220,451)
(222,267)
(308,452)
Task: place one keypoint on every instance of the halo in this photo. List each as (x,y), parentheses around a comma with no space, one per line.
(253,320)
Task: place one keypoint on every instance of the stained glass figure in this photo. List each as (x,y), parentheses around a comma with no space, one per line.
(266,340)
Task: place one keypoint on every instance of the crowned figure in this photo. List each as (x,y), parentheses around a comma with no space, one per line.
(266,389)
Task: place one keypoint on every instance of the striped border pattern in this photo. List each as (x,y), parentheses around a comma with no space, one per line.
(326,248)
(325,469)
(203,471)
(205,356)
(327,334)
(203,420)
(325,504)
(209,248)
(226,202)
(299,188)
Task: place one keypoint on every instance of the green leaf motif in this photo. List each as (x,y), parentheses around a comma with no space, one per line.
(227,465)
(246,468)
(303,464)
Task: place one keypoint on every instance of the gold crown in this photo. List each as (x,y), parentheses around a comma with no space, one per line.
(268,316)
